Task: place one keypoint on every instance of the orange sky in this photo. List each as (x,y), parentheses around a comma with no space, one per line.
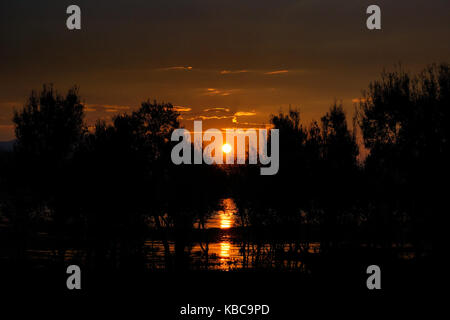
(229,63)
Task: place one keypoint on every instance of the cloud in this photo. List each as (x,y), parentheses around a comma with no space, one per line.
(182,109)
(233,71)
(101,109)
(245,113)
(217,109)
(276,72)
(242,114)
(248,126)
(105,107)
(220,92)
(225,113)
(187,68)
(210,117)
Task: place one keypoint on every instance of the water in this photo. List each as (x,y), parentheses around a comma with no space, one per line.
(223,249)
(224,219)
(226,252)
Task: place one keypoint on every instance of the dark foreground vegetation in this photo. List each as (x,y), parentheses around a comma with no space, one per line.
(106,190)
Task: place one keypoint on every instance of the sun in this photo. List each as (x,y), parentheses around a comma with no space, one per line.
(226,148)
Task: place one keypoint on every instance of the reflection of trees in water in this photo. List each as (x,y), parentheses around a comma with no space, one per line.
(224,248)
(230,256)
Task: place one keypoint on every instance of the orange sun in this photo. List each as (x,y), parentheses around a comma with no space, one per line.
(226,148)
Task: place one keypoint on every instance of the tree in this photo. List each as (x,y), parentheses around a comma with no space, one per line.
(404,120)
(49,129)
(50,126)
(128,160)
(337,173)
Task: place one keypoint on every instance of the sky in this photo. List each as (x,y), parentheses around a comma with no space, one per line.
(228,63)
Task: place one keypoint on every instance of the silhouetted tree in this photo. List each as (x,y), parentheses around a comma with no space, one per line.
(127,161)
(404,120)
(337,173)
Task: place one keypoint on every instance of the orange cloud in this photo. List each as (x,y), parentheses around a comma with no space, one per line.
(217,109)
(233,71)
(182,109)
(244,113)
(214,91)
(210,117)
(93,107)
(277,72)
(178,68)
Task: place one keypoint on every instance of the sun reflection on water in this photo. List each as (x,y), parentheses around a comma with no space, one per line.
(224,250)
(225,221)
(226,216)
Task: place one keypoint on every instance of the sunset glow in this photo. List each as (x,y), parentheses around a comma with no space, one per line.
(226,148)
